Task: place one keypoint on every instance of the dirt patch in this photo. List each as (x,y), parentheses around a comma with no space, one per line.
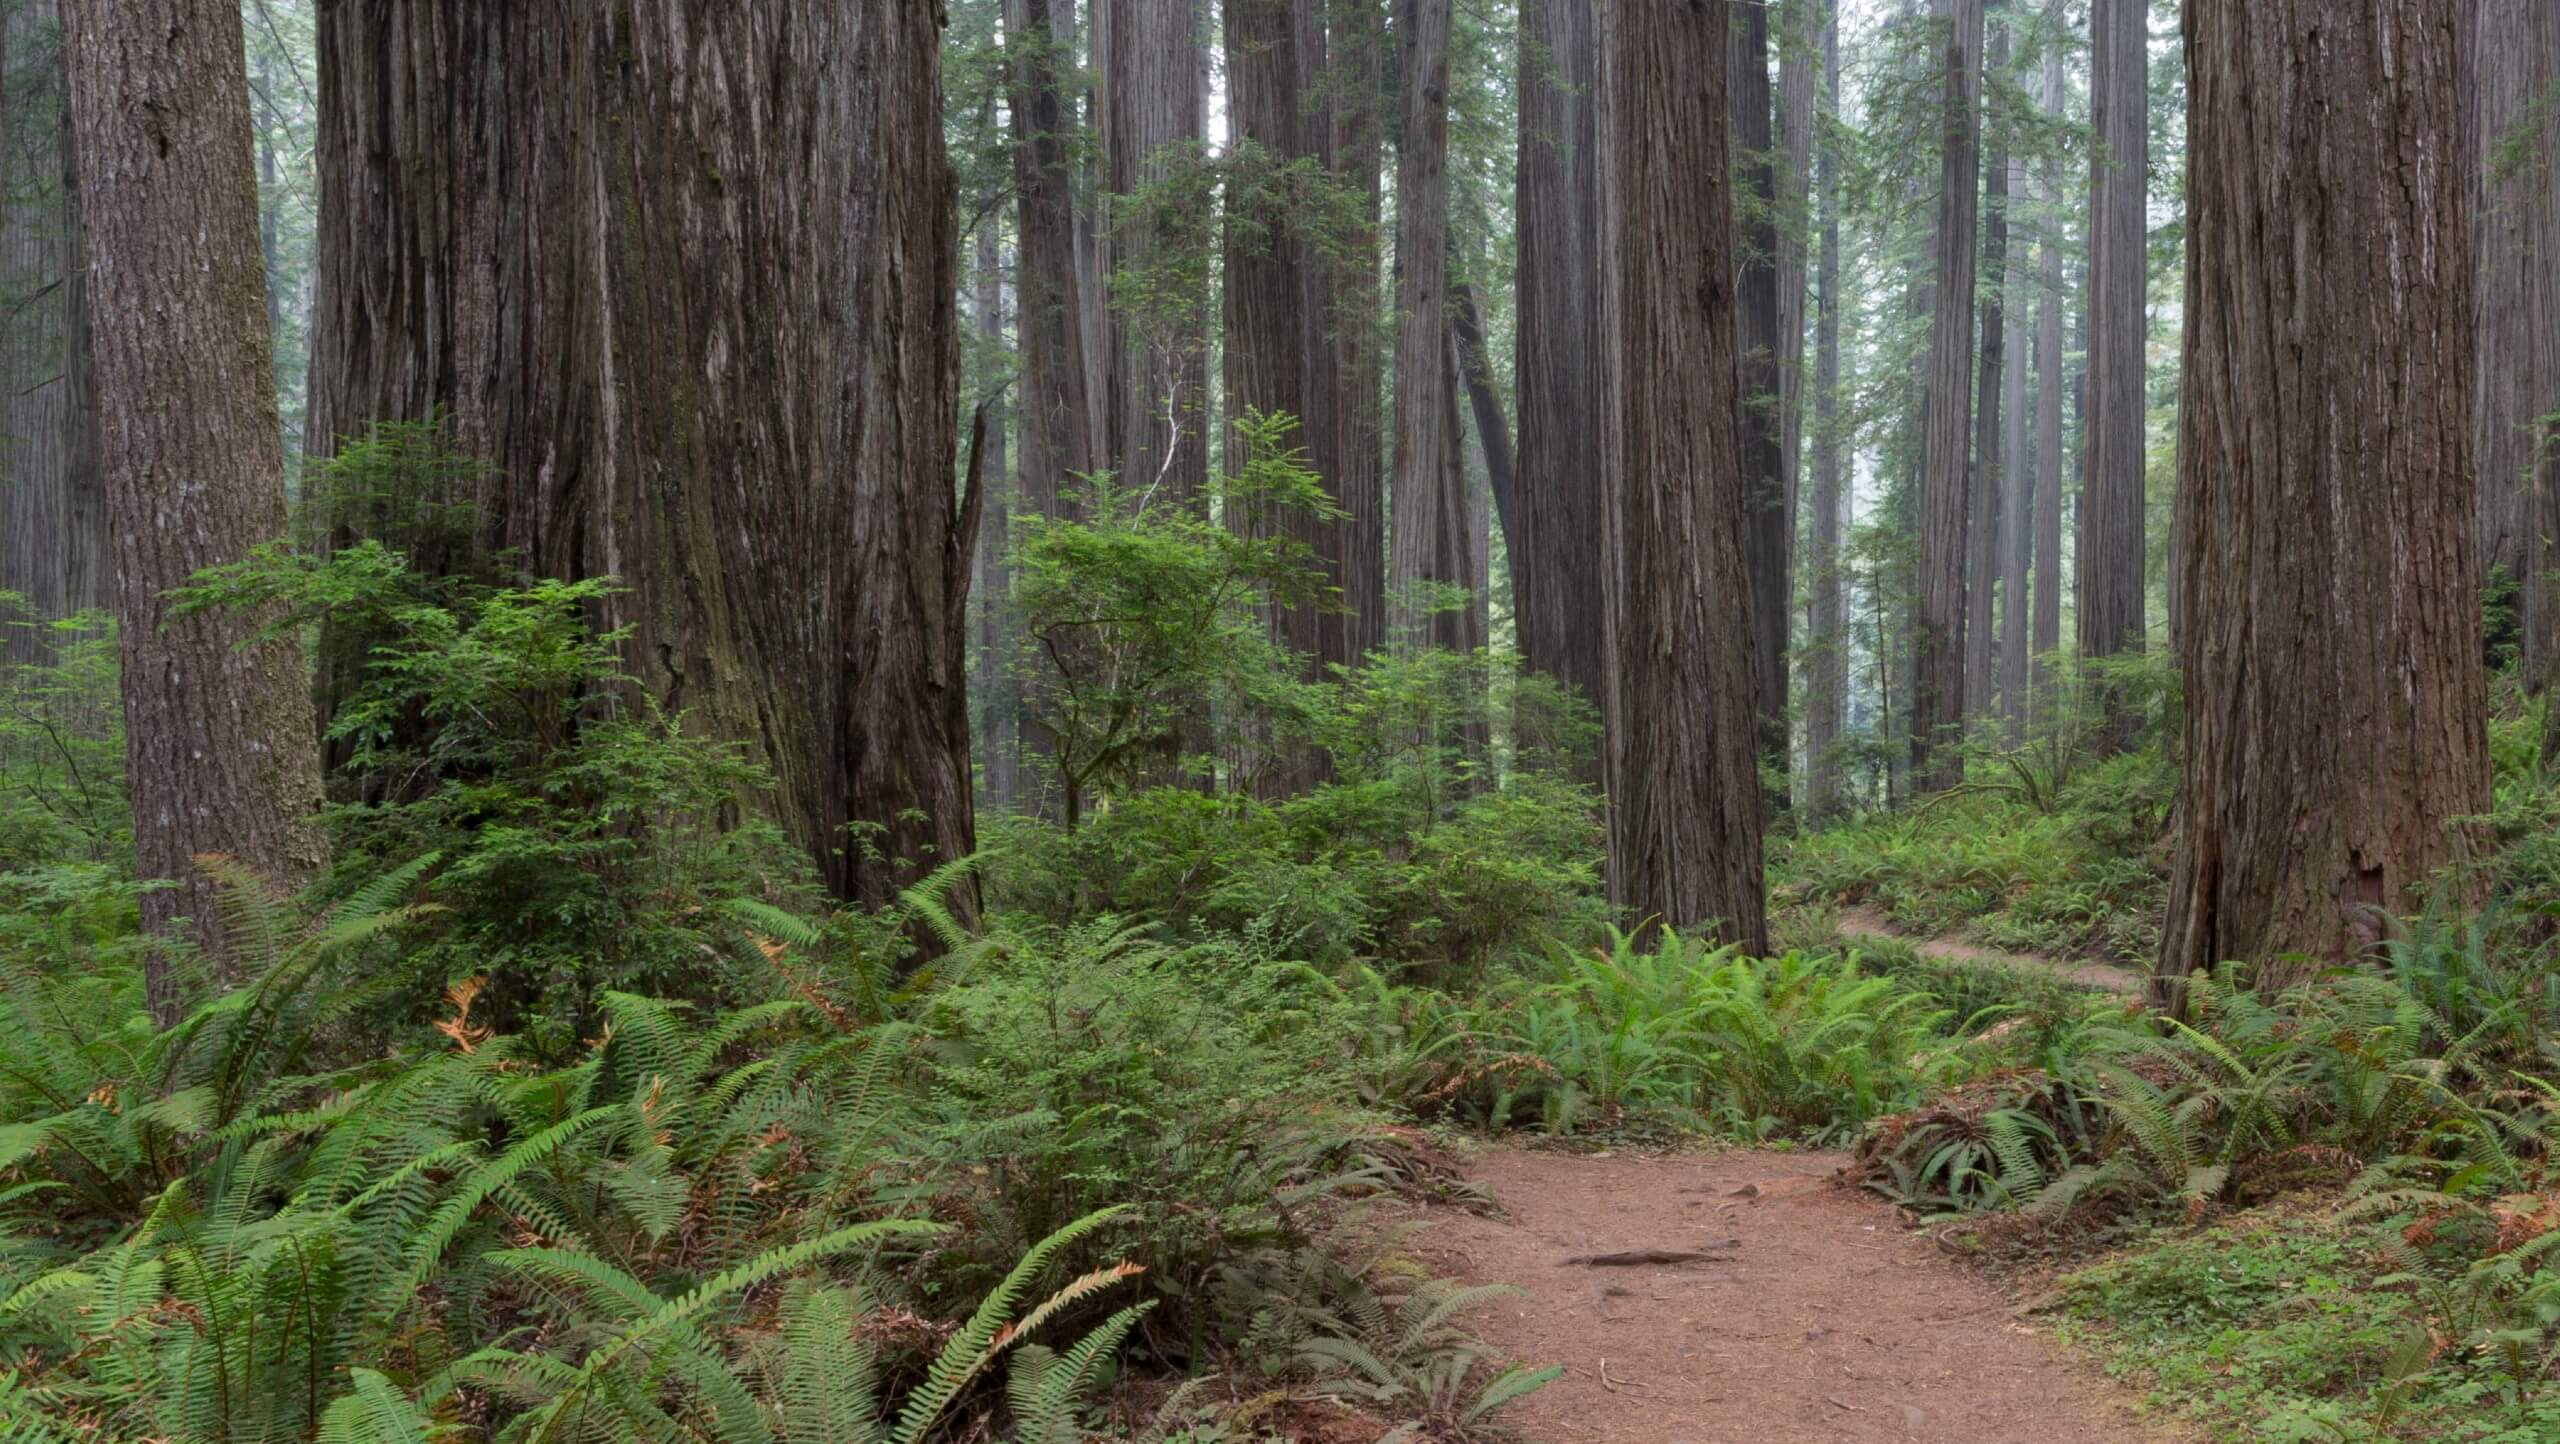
(1856,923)
(1806,1313)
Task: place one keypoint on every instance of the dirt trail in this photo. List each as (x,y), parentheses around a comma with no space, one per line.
(1857,923)
(1814,1316)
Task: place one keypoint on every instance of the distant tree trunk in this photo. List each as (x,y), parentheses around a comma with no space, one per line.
(1427,515)
(1990,480)
(1356,49)
(2049,388)
(2540,592)
(1684,815)
(1153,61)
(1799,67)
(999,729)
(220,744)
(53,518)
(1937,703)
(706,343)
(1556,562)
(1770,535)
(1484,402)
(2110,553)
(1320,387)
(2018,485)
(1827,645)
(2510,77)
(2335,698)
(1058,442)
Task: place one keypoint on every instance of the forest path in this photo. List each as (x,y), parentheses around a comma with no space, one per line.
(1857,923)
(1813,1317)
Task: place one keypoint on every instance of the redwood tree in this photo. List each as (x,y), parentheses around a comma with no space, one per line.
(1990,474)
(684,278)
(2335,696)
(2047,538)
(2110,554)
(1152,56)
(1427,541)
(1826,645)
(1937,702)
(1556,559)
(1769,518)
(1684,814)
(222,751)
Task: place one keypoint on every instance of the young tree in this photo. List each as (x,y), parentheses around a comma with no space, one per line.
(2335,696)
(219,737)
(1770,519)
(1556,561)
(1681,714)
(1937,702)
(53,519)
(1427,550)
(1826,646)
(715,359)
(2110,554)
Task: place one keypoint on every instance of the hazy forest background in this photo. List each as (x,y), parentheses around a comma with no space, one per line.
(936,720)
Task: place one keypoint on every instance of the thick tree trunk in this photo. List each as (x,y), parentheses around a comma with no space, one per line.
(2110,553)
(2511,177)
(222,751)
(1427,550)
(1556,562)
(684,278)
(1058,442)
(1990,476)
(1684,815)
(1770,539)
(1827,643)
(2049,389)
(53,517)
(1355,545)
(1153,61)
(2335,697)
(2017,485)
(1937,703)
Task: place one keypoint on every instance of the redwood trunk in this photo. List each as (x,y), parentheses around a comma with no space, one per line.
(1937,702)
(1556,560)
(1770,536)
(685,278)
(2049,388)
(1428,550)
(1058,442)
(2511,184)
(2335,697)
(1827,646)
(1154,65)
(2110,553)
(221,747)
(1682,743)
(1990,476)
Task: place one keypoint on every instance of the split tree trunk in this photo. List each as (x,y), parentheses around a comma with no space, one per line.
(1684,788)
(685,279)
(220,744)
(2335,697)
(1937,702)
(2110,553)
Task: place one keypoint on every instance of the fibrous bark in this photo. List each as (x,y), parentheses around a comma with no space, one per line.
(2110,553)
(1427,550)
(2511,174)
(1355,543)
(1153,61)
(1556,560)
(684,277)
(1682,734)
(1990,478)
(1058,441)
(221,748)
(2335,695)
(1937,702)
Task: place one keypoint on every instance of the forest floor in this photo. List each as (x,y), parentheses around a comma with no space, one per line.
(1856,923)
(1803,1313)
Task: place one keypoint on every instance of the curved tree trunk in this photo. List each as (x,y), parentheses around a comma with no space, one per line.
(219,738)
(1684,787)
(2335,698)
(705,339)
(1937,701)
(2110,553)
